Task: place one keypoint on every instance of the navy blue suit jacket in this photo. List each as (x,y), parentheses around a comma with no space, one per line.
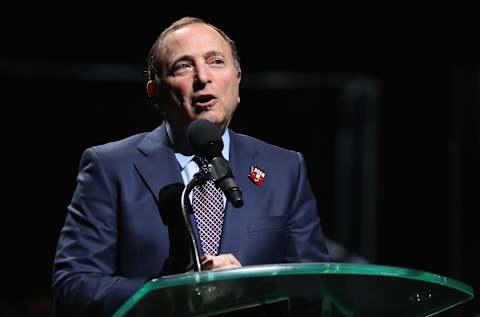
(114,238)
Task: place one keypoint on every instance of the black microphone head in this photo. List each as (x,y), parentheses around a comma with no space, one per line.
(205,138)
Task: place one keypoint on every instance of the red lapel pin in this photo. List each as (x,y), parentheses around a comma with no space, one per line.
(257,175)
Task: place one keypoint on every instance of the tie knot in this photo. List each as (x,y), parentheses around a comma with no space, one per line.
(201,162)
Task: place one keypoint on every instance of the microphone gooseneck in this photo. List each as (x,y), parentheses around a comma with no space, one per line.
(197,179)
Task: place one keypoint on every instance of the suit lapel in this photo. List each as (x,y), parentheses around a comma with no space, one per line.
(159,168)
(242,157)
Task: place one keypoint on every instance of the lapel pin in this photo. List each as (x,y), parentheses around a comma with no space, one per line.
(257,175)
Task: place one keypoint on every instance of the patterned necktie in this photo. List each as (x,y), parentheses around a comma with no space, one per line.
(208,209)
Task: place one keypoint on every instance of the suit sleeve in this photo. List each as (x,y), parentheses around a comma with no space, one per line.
(84,275)
(304,237)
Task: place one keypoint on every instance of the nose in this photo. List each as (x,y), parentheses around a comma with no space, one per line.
(202,76)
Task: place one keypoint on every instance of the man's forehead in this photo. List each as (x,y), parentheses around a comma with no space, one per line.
(195,28)
(197,34)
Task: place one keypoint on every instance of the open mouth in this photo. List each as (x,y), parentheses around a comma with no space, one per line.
(203,101)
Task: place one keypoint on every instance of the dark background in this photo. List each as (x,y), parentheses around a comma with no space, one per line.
(385,110)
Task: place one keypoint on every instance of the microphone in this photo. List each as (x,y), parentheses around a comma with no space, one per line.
(206,141)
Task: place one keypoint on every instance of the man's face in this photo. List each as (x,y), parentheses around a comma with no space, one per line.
(199,77)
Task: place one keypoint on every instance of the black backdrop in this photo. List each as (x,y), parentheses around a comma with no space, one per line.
(72,83)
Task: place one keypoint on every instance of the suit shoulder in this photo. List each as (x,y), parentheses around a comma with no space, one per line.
(266,148)
(119,148)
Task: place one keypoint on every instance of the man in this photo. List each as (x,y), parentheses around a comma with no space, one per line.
(116,237)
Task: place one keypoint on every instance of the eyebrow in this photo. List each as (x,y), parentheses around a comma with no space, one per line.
(213,53)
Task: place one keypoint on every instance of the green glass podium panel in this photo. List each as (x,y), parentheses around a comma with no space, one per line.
(314,289)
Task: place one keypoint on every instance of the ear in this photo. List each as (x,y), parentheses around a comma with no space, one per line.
(239,78)
(151,89)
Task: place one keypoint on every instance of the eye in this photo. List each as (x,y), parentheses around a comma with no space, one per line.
(181,67)
(216,61)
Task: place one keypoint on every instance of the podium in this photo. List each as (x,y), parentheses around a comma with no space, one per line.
(313,289)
